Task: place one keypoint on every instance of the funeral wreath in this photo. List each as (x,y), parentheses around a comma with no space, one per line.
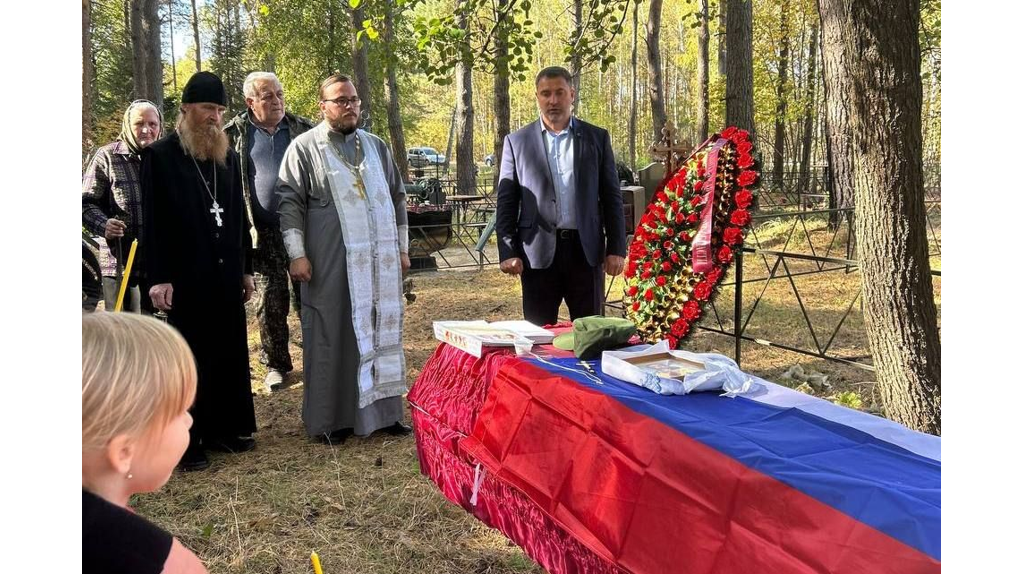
(688,236)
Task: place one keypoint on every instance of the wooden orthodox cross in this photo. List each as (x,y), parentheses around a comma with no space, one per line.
(669,150)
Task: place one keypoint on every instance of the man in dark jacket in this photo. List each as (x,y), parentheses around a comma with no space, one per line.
(559,219)
(260,136)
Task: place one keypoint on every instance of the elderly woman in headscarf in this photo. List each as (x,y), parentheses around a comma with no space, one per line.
(112,196)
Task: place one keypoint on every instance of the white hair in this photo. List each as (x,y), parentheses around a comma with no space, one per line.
(249,86)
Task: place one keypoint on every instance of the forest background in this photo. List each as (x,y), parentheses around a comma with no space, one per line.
(421,42)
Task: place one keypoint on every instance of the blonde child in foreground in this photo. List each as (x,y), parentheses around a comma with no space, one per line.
(138,381)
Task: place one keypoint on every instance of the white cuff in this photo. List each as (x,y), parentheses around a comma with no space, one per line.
(403,238)
(294,244)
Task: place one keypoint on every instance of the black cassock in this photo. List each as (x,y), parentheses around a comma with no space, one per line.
(204,264)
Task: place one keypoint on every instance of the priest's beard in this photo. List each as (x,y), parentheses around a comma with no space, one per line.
(202,140)
(338,125)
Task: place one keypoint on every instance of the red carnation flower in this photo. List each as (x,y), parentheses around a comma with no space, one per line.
(666,266)
(680,217)
(692,218)
(668,244)
(684,237)
(636,306)
(713,276)
(672,341)
(660,280)
(649,294)
(697,200)
(632,291)
(744,161)
(674,257)
(746,178)
(691,310)
(675,206)
(645,275)
(697,185)
(702,291)
(740,217)
(670,232)
(656,254)
(733,235)
(744,198)
(744,146)
(724,255)
(660,196)
(741,135)
(629,272)
(728,132)
(648,265)
(680,328)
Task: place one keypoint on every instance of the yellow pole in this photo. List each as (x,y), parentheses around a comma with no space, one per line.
(316,563)
(125,275)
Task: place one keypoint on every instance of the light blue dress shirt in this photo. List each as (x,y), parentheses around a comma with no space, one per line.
(560,151)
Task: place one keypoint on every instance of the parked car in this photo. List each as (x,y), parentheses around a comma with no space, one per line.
(424,156)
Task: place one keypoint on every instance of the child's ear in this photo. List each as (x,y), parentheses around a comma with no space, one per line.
(120,452)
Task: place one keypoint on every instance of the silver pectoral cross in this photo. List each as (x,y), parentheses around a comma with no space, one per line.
(216,210)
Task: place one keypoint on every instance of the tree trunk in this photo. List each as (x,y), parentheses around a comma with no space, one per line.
(882,84)
(391,93)
(657,91)
(739,86)
(140,79)
(703,64)
(147,68)
(88,72)
(195,37)
(808,117)
(779,155)
(361,69)
(502,100)
(633,100)
(174,63)
(576,60)
(465,174)
(723,14)
(838,139)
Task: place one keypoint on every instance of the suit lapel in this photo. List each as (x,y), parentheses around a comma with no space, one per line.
(541,155)
(577,153)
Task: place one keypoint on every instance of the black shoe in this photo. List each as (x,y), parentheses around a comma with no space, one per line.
(398,429)
(193,459)
(336,437)
(233,444)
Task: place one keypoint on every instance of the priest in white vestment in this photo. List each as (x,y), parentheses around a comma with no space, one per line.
(345,228)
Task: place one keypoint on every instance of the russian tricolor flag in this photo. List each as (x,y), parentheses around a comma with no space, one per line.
(776,481)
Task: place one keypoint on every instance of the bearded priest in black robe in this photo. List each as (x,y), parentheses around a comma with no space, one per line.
(199,255)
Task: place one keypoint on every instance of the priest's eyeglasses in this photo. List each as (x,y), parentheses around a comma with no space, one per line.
(343,102)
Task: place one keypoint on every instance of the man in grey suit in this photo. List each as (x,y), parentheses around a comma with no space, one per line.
(559,222)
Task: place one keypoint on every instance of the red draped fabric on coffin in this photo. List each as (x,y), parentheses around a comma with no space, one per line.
(584,484)
(446,400)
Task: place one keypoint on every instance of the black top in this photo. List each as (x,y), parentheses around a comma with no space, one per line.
(115,540)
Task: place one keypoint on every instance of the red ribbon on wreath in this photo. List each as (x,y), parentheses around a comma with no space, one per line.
(702,260)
